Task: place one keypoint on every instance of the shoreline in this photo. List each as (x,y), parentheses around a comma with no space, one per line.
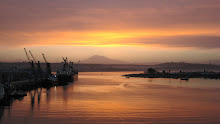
(180,75)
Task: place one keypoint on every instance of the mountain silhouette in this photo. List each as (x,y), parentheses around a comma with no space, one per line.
(97,59)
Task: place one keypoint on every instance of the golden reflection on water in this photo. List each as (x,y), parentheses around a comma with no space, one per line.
(109,98)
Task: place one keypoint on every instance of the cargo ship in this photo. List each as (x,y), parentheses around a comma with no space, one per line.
(67,73)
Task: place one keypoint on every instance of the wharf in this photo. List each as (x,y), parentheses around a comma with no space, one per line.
(28,84)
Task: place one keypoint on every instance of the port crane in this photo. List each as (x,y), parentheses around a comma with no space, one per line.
(48,64)
(30,61)
(33,58)
(36,62)
(44,58)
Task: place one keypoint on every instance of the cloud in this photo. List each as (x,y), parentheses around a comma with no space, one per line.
(205,42)
(186,23)
(109,39)
(50,15)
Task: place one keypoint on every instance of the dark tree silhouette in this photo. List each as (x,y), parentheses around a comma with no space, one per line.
(151,71)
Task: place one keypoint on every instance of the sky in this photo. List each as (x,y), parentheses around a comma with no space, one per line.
(136,31)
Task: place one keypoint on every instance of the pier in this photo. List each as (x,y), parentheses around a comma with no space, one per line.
(16,79)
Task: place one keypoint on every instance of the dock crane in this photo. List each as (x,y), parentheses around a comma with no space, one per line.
(33,57)
(37,63)
(30,61)
(44,58)
(48,68)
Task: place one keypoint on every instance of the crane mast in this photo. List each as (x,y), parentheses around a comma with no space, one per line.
(48,68)
(44,58)
(33,57)
(27,56)
(30,61)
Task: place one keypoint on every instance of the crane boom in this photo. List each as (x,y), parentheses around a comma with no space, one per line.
(76,64)
(33,57)
(44,58)
(48,65)
(27,56)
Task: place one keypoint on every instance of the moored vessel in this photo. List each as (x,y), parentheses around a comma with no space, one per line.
(67,73)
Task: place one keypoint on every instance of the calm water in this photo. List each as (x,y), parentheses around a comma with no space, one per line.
(106,97)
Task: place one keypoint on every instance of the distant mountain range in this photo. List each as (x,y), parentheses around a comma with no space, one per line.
(96,59)
(116,65)
(216,62)
(187,66)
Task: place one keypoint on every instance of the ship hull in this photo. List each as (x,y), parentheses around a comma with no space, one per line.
(64,79)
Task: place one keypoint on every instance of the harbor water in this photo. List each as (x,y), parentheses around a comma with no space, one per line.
(107,97)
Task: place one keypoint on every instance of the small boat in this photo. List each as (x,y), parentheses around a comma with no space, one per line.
(19,93)
(185,79)
(52,78)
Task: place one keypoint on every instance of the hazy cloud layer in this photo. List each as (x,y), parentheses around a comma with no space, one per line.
(180,41)
(20,18)
(44,15)
(204,42)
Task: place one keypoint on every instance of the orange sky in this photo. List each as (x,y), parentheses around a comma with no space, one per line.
(143,31)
